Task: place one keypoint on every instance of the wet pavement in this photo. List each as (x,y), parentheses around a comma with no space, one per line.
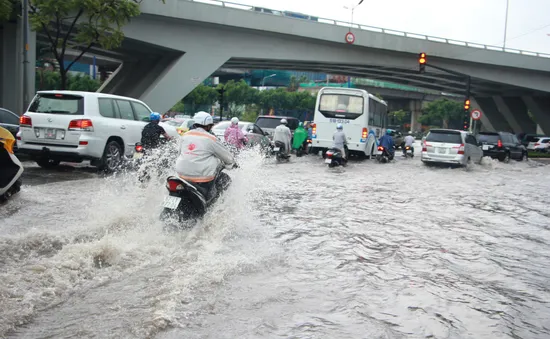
(293,250)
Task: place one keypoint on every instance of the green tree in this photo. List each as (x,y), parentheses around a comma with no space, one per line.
(398,117)
(441,111)
(294,83)
(178,107)
(201,95)
(80,25)
(7,10)
(48,80)
(238,93)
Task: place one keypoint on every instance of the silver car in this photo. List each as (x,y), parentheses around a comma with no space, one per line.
(453,147)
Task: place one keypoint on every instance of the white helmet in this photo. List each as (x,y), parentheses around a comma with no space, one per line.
(339,126)
(202,118)
(284,122)
(235,121)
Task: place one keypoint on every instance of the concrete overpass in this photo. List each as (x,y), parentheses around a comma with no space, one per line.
(171,48)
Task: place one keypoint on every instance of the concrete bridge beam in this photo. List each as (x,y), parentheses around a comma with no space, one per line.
(540,107)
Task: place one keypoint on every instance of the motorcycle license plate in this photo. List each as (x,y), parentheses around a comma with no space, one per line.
(328,161)
(276,149)
(138,155)
(409,151)
(380,152)
(171,202)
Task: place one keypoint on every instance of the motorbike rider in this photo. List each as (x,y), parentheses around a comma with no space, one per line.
(339,141)
(202,156)
(234,135)
(300,138)
(282,134)
(150,136)
(387,142)
(409,141)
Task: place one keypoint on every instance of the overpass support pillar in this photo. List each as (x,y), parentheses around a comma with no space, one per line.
(11,67)
(494,120)
(416,112)
(515,112)
(540,107)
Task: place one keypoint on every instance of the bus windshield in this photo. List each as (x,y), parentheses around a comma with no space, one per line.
(341,106)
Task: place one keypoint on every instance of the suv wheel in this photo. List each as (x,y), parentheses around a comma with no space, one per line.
(47,163)
(506,158)
(112,157)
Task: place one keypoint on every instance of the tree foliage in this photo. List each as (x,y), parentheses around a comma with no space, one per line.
(295,83)
(48,80)
(7,9)
(398,117)
(202,95)
(80,25)
(441,112)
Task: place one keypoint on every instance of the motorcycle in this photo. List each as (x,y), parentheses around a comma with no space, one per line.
(304,148)
(187,201)
(278,150)
(10,168)
(333,157)
(383,155)
(143,162)
(409,152)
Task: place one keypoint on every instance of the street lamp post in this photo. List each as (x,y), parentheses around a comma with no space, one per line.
(506,23)
(25,54)
(269,76)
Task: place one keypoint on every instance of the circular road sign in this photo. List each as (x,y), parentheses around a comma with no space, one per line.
(476,114)
(350,38)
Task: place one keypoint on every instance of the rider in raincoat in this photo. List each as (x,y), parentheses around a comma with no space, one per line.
(387,141)
(282,134)
(300,137)
(234,135)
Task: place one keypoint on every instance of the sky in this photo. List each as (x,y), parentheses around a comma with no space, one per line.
(477,21)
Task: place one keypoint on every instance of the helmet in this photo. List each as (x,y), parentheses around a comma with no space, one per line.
(154,116)
(284,122)
(301,124)
(388,131)
(339,126)
(235,121)
(410,132)
(203,119)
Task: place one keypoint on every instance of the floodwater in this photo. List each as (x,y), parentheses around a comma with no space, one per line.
(293,250)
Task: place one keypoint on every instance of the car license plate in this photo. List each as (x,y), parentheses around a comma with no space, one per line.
(138,155)
(485,147)
(49,133)
(409,151)
(328,161)
(276,149)
(440,150)
(171,202)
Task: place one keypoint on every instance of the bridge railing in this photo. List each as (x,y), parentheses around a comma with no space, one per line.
(233,5)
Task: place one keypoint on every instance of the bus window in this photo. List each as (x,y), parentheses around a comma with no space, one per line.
(341,106)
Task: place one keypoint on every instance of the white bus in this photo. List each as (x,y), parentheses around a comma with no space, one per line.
(364,116)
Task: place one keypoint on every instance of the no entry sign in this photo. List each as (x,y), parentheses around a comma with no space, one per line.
(350,38)
(476,114)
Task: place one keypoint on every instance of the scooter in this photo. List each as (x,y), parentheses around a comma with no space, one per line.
(278,149)
(187,201)
(333,157)
(409,152)
(383,155)
(10,167)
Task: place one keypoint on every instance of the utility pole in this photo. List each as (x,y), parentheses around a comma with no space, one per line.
(25,55)
(506,23)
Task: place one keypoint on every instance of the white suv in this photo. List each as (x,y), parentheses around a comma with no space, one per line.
(76,126)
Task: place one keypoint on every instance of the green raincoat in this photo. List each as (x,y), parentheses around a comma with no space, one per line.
(300,135)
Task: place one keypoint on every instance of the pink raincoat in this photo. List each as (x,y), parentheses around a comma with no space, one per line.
(234,136)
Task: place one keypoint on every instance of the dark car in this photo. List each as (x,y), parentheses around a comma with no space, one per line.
(10,121)
(268,123)
(502,146)
(398,138)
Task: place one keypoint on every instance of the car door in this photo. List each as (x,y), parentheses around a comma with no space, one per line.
(517,146)
(132,128)
(111,124)
(472,148)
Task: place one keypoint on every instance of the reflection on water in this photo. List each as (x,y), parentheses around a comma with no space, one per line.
(293,250)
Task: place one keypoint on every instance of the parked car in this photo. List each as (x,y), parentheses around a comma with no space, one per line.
(539,144)
(10,121)
(527,138)
(454,147)
(502,146)
(255,135)
(268,123)
(76,126)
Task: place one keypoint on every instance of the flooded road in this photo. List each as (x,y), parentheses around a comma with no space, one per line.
(293,250)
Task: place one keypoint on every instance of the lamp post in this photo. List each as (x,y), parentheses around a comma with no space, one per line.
(506,23)
(353,9)
(25,54)
(269,76)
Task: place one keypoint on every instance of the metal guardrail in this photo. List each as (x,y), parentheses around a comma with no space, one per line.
(380,30)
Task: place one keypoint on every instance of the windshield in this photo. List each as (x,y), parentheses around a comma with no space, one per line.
(488,138)
(341,106)
(58,104)
(448,137)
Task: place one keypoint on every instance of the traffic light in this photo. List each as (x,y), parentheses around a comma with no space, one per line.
(422,62)
(466,114)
